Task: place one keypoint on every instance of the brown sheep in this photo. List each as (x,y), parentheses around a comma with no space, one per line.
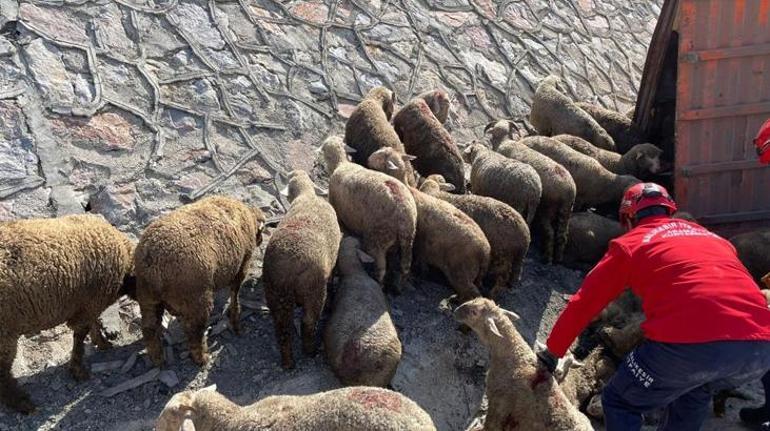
(368,129)
(440,229)
(621,341)
(348,409)
(512,182)
(392,162)
(587,380)
(439,103)
(553,113)
(505,229)
(360,340)
(641,161)
(589,237)
(620,126)
(595,184)
(54,271)
(559,190)
(754,252)
(517,390)
(298,262)
(183,257)
(424,137)
(374,206)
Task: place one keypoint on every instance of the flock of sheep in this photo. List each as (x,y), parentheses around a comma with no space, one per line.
(401,203)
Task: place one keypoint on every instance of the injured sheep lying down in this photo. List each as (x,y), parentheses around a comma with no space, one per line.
(360,341)
(348,409)
(298,262)
(553,113)
(54,271)
(374,206)
(641,161)
(183,257)
(505,229)
(518,392)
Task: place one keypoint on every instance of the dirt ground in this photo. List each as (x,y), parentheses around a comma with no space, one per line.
(442,369)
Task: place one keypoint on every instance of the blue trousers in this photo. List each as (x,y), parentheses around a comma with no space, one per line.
(680,377)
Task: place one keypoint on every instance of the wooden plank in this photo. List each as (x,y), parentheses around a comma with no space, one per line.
(705,169)
(726,111)
(725,53)
(653,66)
(739,217)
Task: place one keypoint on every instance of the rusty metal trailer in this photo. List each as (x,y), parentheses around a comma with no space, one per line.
(705,92)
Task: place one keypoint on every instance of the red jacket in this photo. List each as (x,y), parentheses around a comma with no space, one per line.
(692,285)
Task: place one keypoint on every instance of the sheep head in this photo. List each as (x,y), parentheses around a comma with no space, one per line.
(499,131)
(299,184)
(472,151)
(385,97)
(177,412)
(436,183)
(392,162)
(646,159)
(482,315)
(334,152)
(439,103)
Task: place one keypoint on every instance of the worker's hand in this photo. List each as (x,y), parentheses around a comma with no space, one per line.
(546,360)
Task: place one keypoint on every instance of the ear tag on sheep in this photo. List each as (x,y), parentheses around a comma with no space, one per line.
(493,327)
(392,166)
(212,388)
(363,257)
(349,149)
(408,158)
(285,191)
(511,315)
(321,192)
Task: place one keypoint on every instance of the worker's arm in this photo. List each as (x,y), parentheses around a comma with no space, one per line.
(602,285)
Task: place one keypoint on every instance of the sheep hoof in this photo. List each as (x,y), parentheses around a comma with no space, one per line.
(79,373)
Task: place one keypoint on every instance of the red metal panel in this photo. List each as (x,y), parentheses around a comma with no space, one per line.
(723,96)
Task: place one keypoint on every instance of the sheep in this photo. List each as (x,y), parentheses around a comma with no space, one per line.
(54,271)
(583,382)
(505,229)
(299,259)
(766,280)
(553,113)
(183,257)
(392,162)
(619,126)
(440,229)
(346,409)
(754,252)
(520,394)
(360,340)
(589,237)
(621,341)
(595,184)
(439,103)
(641,161)
(374,206)
(555,208)
(512,182)
(368,129)
(424,137)
(618,312)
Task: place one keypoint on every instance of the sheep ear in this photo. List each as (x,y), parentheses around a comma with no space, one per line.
(187,424)
(391,166)
(285,191)
(639,155)
(489,126)
(493,327)
(349,149)
(446,187)
(212,388)
(511,315)
(364,257)
(511,128)
(408,157)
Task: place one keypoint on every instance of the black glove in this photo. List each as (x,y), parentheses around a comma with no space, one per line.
(546,359)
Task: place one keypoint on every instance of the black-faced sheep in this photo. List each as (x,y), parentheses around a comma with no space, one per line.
(424,137)
(553,113)
(348,409)
(754,252)
(555,208)
(54,271)
(505,229)
(641,161)
(299,260)
(376,207)
(621,341)
(520,395)
(360,340)
(512,182)
(621,127)
(439,103)
(589,237)
(595,184)
(183,257)
(450,241)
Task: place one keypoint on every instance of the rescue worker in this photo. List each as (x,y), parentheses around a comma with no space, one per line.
(707,325)
(762,143)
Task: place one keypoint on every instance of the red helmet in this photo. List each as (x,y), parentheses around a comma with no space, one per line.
(762,143)
(645,195)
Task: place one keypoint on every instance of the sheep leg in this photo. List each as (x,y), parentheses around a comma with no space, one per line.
(406,260)
(561,229)
(78,371)
(502,278)
(311,314)
(10,393)
(281,311)
(547,233)
(97,336)
(152,313)
(195,331)
(234,310)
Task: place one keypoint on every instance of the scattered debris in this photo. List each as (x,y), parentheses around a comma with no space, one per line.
(136,382)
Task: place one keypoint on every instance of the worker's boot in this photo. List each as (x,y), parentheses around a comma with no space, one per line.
(755,416)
